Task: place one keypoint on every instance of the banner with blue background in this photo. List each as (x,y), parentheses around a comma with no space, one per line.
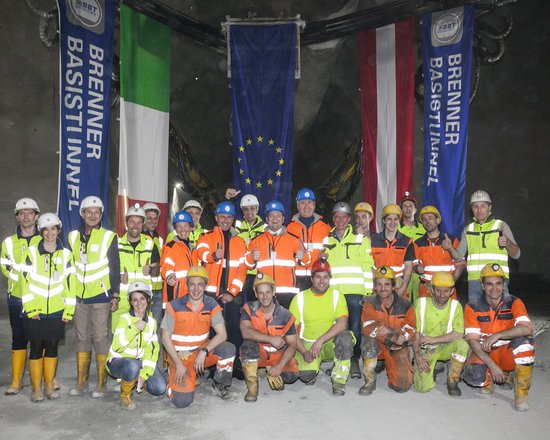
(263,63)
(86,59)
(447,53)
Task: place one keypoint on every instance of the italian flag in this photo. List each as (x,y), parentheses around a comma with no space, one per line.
(144,114)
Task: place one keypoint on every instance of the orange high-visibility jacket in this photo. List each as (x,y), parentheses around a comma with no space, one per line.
(176,259)
(207,245)
(394,253)
(277,258)
(400,317)
(433,257)
(311,237)
(191,327)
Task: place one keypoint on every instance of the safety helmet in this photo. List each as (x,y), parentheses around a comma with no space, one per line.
(263,278)
(197,271)
(249,200)
(192,204)
(392,208)
(48,219)
(150,206)
(384,272)
(135,210)
(364,206)
(26,203)
(305,194)
(140,286)
(492,270)
(480,196)
(182,216)
(320,266)
(91,202)
(274,205)
(443,279)
(408,197)
(341,207)
(429,209)
(225,208)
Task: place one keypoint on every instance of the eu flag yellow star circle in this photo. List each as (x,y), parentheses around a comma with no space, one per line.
(260,145)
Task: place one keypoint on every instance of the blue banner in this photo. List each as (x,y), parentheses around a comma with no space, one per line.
(263,64)
(447,41)
(86,61)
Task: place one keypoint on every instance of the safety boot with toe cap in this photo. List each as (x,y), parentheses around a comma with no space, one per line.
(455,370)
(338,389)
(250,371)
(369,371)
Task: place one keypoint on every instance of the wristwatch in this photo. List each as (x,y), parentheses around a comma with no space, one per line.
(205,350)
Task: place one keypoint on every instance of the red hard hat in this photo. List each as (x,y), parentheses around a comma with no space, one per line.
(320,266)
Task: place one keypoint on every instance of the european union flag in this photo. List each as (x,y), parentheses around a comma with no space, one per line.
(263,62)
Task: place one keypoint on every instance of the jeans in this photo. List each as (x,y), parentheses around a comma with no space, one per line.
(355,307)
(156,308)
(18,341)
(128,370)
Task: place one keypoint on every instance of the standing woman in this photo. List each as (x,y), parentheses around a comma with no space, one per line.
(135,348)
(46,281)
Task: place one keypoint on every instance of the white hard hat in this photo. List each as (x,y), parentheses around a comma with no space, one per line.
(150,206)
(90,202)
(135,210)
(48,219)
(140,286)
(480,196)
(192,204)
(26,203)
(249,200)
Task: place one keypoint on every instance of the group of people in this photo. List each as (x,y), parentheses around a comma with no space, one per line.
(255,293)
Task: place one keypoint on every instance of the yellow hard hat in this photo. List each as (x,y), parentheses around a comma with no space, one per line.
(197,271)
(263,278)
(492,270)
(443,279)
(392,208)
(429,209)
(384,272)
(364,206)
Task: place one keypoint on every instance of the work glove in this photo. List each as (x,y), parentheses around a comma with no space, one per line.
(276,383)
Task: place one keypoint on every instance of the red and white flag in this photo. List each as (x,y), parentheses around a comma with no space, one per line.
(387,112)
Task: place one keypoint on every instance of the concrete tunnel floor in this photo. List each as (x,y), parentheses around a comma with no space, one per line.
(299,412)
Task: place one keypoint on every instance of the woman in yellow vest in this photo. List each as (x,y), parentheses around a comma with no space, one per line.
(46,281)
(134,352)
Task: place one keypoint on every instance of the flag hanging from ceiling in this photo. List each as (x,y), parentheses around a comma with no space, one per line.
(447,42)
(263,64)
(387,112)
(85,65)
(144,114)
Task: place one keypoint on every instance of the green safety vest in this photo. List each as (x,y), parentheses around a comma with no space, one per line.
(130,343)
(413,232)
(13,249)
(248,232)
(193,236)
(133,259)
(483,248)
(91,262)
(351,262)
(47,282)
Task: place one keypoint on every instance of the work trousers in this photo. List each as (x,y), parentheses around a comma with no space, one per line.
(91,323)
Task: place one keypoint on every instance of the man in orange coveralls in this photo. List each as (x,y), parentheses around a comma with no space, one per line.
(186,338)
(388,327)
(269,339)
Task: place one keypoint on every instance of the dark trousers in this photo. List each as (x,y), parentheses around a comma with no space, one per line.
(355,308)
(18,341)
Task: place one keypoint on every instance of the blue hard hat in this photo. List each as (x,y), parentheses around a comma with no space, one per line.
(182,216)
(274,205)
(305,194)
(225,208)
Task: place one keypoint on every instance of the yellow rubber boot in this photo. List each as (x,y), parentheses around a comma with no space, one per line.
(250,371)
(100,361)
(36,368)
(126,391)
(369,366)
(18,358)
(455,370)
(521,386)
(83,359)
(50,367)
